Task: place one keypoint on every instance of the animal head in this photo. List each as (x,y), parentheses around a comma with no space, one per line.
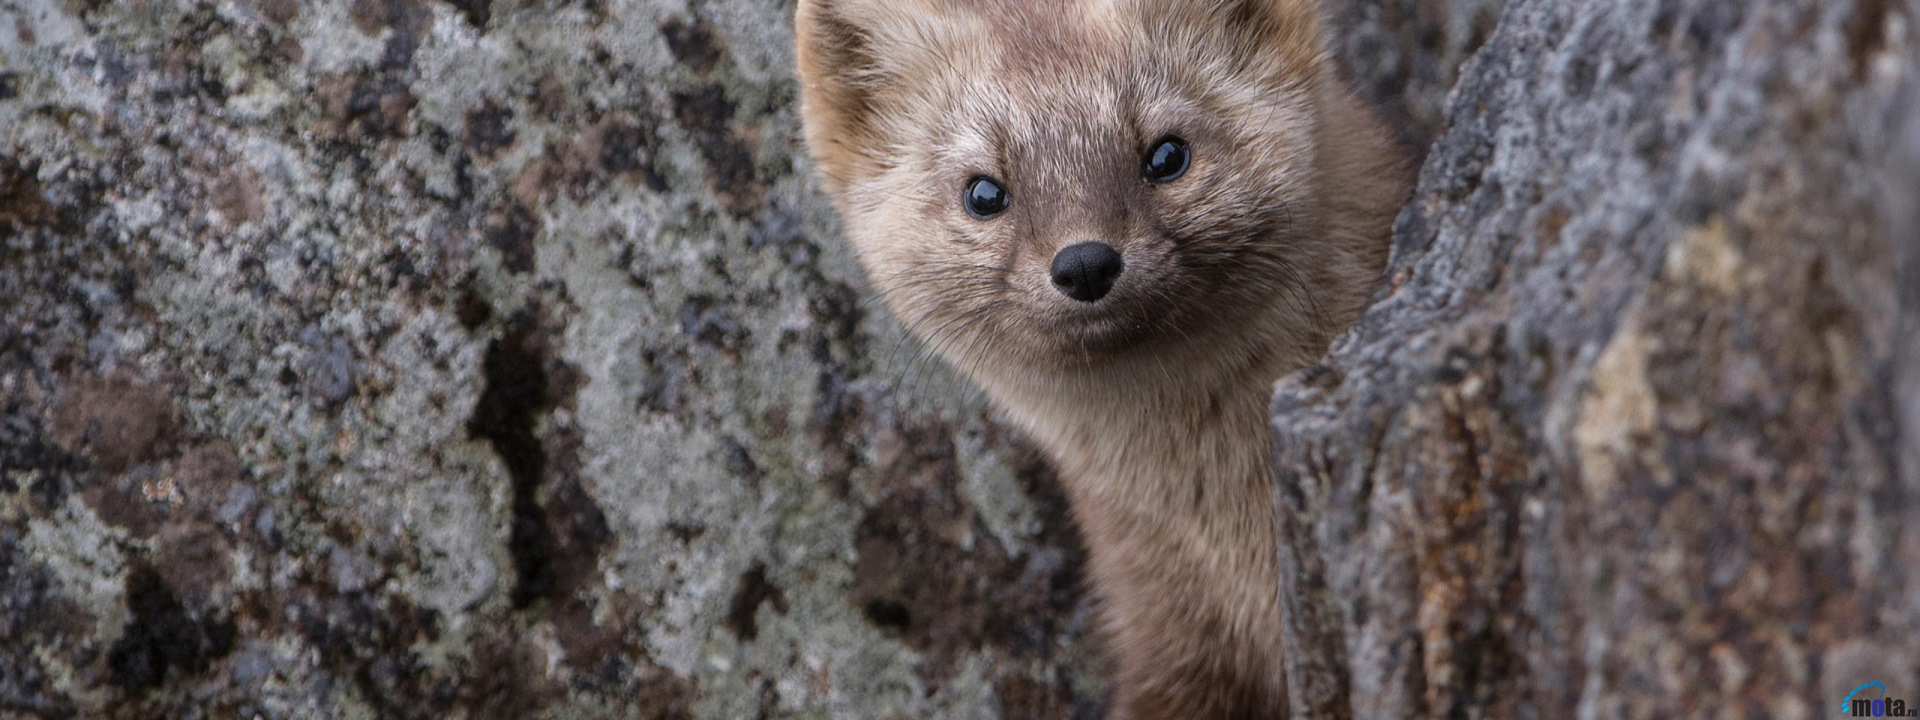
(1063,185)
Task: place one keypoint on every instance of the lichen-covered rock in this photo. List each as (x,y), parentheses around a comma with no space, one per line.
(402,358)
(1631,431)
(393,358)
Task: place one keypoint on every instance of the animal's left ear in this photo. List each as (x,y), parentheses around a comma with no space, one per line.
(1272,38)
(854,56)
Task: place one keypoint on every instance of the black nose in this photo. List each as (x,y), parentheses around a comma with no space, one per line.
(1086,271)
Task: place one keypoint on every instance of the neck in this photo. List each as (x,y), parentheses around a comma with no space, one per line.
(1171,486)
(1167,460)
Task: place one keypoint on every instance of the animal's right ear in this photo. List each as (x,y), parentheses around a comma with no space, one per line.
(1274,39)
(848,52)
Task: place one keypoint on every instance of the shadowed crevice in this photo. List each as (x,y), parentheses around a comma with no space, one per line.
(557,531)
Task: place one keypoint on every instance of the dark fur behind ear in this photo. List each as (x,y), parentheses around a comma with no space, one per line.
(838,69)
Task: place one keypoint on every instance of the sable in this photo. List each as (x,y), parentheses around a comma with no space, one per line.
(1124,219)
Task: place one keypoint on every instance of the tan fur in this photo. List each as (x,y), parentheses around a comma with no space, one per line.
(1152,402)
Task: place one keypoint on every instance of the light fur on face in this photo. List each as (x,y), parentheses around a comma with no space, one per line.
(1151,401)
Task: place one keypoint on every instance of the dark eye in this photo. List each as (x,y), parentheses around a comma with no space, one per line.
(985,198)
(1166,160)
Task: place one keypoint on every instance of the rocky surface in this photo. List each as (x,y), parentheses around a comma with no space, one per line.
(1631,433)
(406,359)
(1405,55)
(396,358)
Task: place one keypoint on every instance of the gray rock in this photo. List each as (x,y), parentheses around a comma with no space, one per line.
(395,358)
(1621,436)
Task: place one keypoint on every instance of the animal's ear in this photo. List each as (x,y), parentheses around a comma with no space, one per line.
(1278,39)
(850,53)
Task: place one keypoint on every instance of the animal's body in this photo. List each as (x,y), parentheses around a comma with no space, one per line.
(1124,219)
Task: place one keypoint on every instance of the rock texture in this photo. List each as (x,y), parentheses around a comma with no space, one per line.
(1631,431)
(1405,55)
(390,358)
(406,358)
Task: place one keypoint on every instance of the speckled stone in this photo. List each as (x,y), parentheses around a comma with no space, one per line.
(1630,433)
(396,358)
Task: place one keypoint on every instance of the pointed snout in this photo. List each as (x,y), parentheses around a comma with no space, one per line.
(1086,271)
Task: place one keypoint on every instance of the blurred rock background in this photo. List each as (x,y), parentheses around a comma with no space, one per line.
(1633,430)
(406,358)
